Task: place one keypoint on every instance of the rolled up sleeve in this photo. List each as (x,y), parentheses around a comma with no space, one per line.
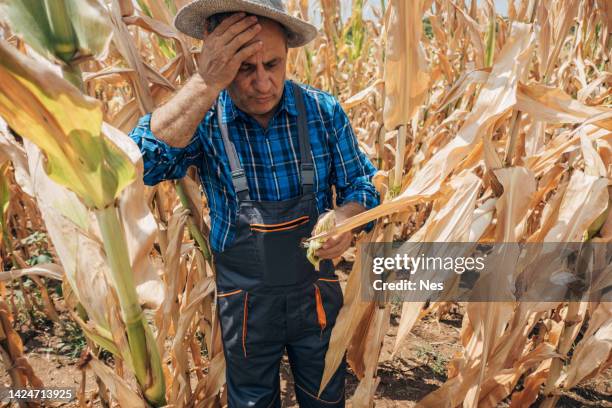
(353,171)
(162,161)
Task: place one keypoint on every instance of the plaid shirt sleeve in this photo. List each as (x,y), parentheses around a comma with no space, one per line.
(352,170)
(162,161)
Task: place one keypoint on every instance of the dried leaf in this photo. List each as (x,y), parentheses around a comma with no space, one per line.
(406,73)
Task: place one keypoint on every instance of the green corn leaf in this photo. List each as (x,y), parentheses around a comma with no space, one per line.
(597,224)
(44,108)
(4,195)
(490,42)
(5,199)
(91,25)
(60,29)
(64,39)
(354,34)
(29,19)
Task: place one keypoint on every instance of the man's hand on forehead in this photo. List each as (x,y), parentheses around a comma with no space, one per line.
(253,41)
(226,47)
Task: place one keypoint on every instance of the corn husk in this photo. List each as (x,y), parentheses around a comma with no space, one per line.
(325,223)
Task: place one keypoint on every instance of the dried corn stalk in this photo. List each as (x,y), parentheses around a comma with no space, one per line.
(406,72)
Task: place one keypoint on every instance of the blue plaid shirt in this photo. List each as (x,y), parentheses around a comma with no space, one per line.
(270,158)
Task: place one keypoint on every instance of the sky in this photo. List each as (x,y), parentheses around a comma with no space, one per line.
(501,7)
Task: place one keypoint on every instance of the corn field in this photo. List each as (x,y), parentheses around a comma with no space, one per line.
(484,128)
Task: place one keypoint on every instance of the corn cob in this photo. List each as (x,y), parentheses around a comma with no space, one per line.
(324,224)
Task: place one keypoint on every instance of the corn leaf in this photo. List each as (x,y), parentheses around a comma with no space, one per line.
(43,107)
(47,270)
(13,151)
(585,199)
(5,198)
(494,100)
(4,188)
(60,29)
(30,20)
(118,387)
(406,72)
(590,355)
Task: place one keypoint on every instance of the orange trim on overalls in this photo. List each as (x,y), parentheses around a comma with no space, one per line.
(244,322)
(280,229)
(229,293)
(321,318)
(282,223)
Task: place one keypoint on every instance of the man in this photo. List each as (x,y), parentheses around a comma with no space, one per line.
(268,152)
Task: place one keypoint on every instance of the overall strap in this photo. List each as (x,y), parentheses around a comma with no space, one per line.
(238,177)
(306,166)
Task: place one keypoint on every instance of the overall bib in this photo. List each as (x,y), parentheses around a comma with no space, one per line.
(270,298)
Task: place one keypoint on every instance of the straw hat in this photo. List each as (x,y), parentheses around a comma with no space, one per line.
(190,19)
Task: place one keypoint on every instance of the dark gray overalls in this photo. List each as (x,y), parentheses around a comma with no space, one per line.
(271,298)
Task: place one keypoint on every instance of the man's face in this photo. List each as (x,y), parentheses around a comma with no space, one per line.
(258,87)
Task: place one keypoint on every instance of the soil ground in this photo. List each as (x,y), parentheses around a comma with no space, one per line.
(417,369)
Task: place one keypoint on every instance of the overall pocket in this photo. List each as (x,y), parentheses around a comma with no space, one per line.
(233,309)
(238,265)
(280,247)
(328,301)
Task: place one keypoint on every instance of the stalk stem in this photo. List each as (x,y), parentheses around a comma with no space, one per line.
(144,354)
(514,130)
(490,41)
(191,224)
(400,151)
(65,41)
(72,73)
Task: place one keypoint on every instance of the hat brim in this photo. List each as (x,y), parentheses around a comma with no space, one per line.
(190,19)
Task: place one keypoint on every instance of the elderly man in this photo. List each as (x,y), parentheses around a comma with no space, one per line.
(268,152)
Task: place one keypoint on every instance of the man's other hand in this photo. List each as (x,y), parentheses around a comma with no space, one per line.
(335,245)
